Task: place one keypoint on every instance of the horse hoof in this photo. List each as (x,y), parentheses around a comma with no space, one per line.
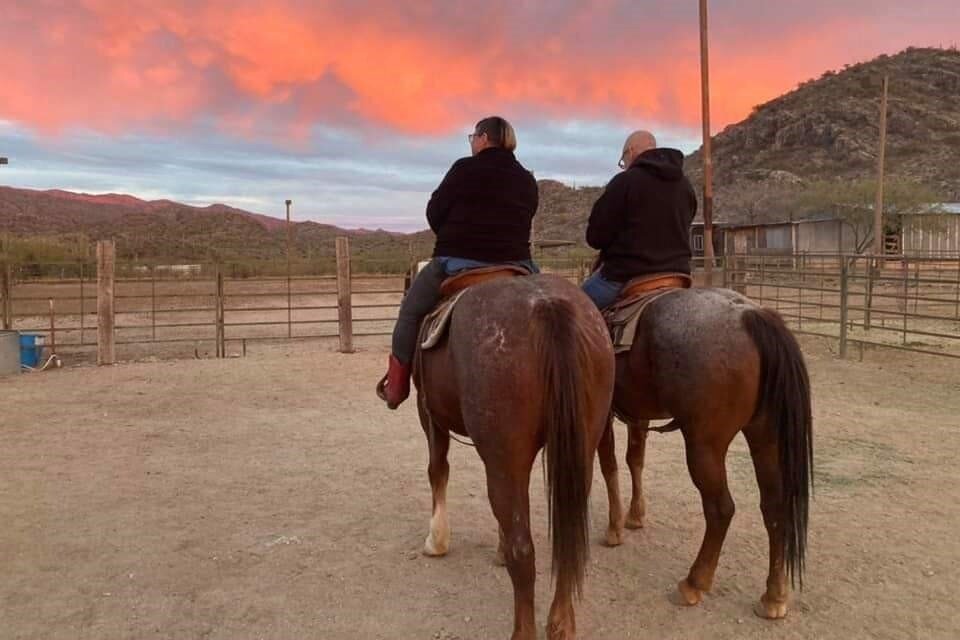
(770,610)
(561,631)
(689,595)
(435,549)
(614,538)
(634,522)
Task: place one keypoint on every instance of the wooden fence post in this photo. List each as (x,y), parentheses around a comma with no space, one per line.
(844,291)
(763,276)
(153,302)
(53,328)
(344,299)
(6,291)
(904,302)
(740,265)
(106,256)
(221,329)
(82,323)
(956,283)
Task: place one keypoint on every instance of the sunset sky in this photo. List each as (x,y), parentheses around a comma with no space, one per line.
(356,109)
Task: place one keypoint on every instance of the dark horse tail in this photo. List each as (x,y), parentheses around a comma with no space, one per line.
(784,400)
(563,357)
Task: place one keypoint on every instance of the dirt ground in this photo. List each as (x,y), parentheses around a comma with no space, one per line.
(273,496)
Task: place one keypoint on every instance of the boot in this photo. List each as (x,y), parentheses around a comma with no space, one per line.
(395,386)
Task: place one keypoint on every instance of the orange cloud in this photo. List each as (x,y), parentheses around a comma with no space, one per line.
(286,65)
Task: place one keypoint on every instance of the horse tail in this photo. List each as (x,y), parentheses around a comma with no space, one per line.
(562,354)
(784,399)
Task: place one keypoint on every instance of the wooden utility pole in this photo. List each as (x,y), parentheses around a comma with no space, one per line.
(106,254)
(6,283)
(707,158)
(878,239)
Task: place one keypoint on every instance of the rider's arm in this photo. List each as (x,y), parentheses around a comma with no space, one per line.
(438,208)
(692,196)
(606,218)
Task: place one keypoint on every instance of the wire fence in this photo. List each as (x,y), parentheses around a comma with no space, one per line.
(900,303)
(905,303)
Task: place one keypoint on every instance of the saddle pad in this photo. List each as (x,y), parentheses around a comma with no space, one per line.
(623,318)
(435,324)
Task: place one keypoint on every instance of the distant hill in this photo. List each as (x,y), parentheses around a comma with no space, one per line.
(166,230)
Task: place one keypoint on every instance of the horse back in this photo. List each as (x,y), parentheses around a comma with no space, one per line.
(689,345)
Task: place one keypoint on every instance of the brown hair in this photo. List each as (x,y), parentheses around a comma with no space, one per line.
(499,132)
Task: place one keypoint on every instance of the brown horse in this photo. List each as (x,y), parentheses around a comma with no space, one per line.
(527,364)
(717,364)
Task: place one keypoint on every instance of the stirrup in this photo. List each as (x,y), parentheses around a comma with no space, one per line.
(382,388)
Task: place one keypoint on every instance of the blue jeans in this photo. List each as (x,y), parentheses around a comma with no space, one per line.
(424,294)
(603,292)
(452,266)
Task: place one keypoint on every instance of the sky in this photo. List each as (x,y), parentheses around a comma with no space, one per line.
(356,109)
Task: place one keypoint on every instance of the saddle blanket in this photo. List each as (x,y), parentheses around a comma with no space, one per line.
(623,317)
(435,324)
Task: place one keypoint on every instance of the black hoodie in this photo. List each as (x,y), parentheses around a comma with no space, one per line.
(641,222)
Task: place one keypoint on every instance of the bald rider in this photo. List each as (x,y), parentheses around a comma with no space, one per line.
(641,222)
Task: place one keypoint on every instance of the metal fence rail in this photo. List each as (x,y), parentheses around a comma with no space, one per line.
(908,304)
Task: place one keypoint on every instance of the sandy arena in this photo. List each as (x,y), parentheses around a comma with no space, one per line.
(274,497)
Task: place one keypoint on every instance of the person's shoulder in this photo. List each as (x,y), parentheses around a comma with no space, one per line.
(463,162)
(521,167)
(461,166)
(624,178)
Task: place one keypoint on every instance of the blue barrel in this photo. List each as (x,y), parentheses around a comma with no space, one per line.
(29,350)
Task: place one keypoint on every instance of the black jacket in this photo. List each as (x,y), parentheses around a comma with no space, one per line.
(641,222)
(483,208)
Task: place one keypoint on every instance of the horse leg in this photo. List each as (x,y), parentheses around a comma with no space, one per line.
(500,559)
(764,450)
(438,540)
(706,463)
(509,497)
(636,450)
(607,453)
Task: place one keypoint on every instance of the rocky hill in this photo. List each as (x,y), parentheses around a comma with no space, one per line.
(829,128)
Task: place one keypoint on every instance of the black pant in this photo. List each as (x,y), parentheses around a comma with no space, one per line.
(420,299)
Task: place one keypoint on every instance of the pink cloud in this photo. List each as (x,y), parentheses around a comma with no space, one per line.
(430,69)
